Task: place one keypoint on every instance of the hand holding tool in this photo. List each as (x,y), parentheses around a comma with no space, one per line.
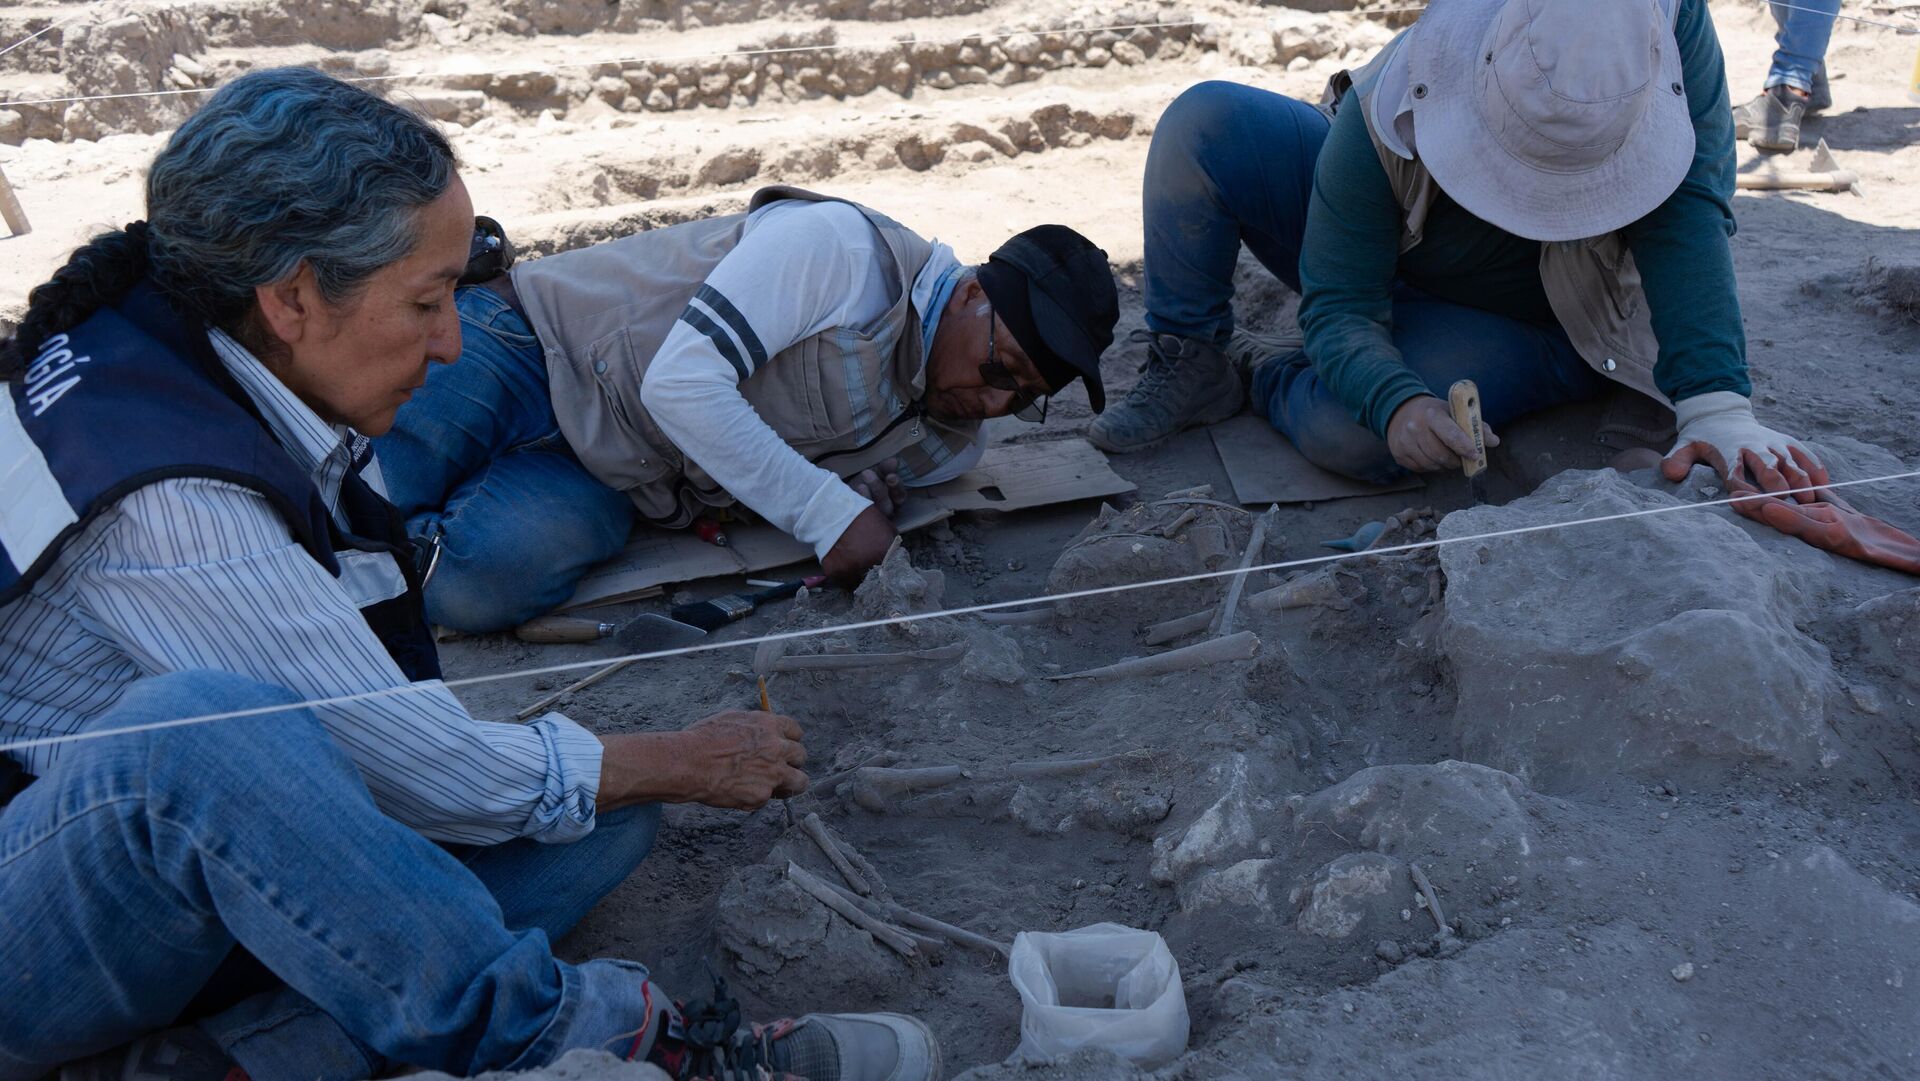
(1463,401)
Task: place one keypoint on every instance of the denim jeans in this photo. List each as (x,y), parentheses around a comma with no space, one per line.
(132,869)
(1800,45)
(477,459)
(1231,165)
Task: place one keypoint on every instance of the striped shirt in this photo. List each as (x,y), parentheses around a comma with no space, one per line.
(202,574)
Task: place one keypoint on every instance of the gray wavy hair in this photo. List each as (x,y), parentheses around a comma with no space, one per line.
(279,167)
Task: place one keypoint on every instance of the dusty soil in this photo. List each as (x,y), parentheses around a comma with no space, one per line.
(1661,772)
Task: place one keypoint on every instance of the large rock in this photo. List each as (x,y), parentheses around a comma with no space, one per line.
(1646,642)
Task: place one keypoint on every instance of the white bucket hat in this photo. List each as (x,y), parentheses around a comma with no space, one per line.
(1552,119)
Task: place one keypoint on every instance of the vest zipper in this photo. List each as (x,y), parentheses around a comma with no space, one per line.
(913,413)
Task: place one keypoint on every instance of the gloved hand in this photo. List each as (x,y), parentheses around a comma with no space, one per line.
(1724,421)
(1818,517)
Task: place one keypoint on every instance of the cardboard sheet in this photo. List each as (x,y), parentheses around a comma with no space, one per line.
(1265,469)
(1009,478)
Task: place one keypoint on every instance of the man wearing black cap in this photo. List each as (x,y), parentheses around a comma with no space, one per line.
(808,359)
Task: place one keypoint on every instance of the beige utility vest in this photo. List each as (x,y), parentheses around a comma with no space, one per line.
(1592,284)
(846,398)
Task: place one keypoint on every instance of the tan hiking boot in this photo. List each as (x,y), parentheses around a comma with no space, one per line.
(1184,382)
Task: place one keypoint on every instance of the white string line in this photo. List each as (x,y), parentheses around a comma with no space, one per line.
(1904,28)
(916,617)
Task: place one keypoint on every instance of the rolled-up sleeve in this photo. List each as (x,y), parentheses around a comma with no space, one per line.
(200,574)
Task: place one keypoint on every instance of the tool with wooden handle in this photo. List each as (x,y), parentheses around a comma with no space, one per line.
(1463,399)
(646,633)
(562,630)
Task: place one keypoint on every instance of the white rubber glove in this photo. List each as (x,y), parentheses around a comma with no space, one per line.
(1724,420)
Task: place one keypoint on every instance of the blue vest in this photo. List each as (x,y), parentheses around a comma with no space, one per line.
(135,395)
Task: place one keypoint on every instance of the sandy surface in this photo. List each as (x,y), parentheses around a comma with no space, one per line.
(1660,773)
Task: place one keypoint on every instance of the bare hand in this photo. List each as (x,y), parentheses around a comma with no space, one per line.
(741,759)
(881,485)
(1424,439)
(859,549)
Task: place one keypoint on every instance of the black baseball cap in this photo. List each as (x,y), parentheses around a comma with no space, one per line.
(1053,288)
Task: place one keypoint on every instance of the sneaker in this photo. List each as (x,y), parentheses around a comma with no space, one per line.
(1184,382)
(181,1054)
(704,1041)
(1772,120)
(1822,97)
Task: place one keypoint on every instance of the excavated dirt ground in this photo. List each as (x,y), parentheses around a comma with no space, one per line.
(1661,772)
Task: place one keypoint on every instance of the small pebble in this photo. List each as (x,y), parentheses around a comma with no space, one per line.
(1389,951)
(1735,868)
(1016,565)
(1683,971)
(1506,921)
(1664,815)
(1406,915)
(1346,1007)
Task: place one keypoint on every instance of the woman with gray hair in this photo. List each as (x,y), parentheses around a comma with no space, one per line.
(234,794)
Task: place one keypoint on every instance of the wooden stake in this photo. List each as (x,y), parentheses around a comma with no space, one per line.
(11,210)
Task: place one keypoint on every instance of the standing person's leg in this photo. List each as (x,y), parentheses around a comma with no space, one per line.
(1796,83)
(1229,164)
(130,870)
(1800,53)
(1520,368)
(477,460)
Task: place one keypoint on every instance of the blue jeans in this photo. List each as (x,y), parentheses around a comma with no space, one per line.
(477,459)
(1800,45)
(132,869)
(1232,165)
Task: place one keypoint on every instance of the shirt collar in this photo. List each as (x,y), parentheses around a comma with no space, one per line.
(325,451)
(1393,103)
(931,288)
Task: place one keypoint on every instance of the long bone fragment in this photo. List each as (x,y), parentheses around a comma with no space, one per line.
(834,662)
(874,787)
(1233,647)
(1256,543)
(817,830)
(1167,630)
(896,939)
(902,914)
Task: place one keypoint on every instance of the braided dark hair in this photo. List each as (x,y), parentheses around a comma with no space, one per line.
(97,274)
(280,167)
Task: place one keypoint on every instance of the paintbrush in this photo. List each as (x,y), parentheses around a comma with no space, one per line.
(711,615)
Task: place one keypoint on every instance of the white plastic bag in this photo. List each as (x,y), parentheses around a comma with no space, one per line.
(1102,986)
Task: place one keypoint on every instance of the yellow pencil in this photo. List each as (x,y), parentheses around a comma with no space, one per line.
(765,707)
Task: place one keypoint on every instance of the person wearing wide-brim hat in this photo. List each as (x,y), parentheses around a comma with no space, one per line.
(1532,194)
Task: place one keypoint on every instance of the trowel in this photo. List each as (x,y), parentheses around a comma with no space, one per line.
(1463,400)
(644,633)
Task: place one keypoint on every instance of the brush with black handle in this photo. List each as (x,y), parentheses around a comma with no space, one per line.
(717,612)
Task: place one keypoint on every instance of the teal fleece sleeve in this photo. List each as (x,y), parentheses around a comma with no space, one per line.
(1681,248)
(1348,259)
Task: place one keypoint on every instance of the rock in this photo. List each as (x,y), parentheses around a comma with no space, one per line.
(1097,57)
(659,100)
(525,86)
(1360,889)
(1308,37)
(730,166)
(1866,698)
(452,106)
(1023,48)
(993,656)
(1128,53)
(373,62)
(1224,831)
(1564,677)
(896,587)
(1389,951)
(13,127)
(1683,971)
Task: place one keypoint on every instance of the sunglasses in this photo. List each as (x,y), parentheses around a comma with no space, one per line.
(1027,405)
